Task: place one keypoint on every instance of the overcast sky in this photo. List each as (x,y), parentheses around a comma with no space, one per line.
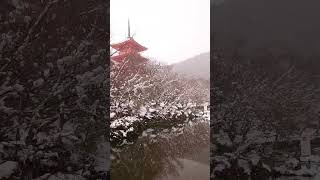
(172,30)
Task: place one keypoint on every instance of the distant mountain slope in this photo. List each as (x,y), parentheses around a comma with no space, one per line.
(195,67)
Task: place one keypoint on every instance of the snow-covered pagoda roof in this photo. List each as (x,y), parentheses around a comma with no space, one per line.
(129,43)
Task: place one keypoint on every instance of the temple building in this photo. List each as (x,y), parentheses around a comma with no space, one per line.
(128,50)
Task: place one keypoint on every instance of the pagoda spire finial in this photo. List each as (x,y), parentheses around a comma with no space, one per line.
(129,36)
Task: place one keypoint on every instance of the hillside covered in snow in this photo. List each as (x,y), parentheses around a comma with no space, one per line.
(195,67)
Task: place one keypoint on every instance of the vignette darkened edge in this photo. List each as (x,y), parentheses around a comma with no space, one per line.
(264,90)
(54,89)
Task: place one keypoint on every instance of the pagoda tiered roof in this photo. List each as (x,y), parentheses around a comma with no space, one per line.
(130,43)
(128,48)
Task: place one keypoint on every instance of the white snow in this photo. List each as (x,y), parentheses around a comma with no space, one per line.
(143,111)
(125,121)
(59,176)
(112,115)
(46,73)
(245,165)
(39,82)
(7,168)
(62,62)
(19,87)
(224,139)
(266,167)
(149,130)
(254,158)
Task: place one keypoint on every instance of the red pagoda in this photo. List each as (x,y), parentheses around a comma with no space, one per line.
(128,49)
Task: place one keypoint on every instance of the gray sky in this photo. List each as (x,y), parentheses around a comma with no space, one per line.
(172,30)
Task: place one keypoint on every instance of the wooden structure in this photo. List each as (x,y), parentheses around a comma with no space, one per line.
(129,50)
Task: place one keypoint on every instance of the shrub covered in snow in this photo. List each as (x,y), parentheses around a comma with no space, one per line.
(156,99)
